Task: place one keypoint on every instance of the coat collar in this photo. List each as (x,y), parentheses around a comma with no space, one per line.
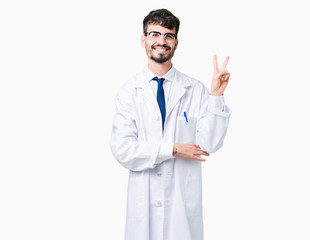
(179,85)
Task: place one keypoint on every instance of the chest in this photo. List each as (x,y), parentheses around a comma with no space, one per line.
(148,116)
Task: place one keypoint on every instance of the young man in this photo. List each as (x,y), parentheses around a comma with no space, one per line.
(164,122)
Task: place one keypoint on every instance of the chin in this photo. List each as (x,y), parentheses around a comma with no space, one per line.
(161,58)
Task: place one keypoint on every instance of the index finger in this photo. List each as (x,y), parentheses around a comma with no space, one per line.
(225,63)
(215,63)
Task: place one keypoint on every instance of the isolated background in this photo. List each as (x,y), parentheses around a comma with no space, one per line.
(61,64)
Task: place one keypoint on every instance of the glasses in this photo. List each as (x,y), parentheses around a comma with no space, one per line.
(154,36)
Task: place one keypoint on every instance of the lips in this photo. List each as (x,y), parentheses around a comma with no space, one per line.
(161,48)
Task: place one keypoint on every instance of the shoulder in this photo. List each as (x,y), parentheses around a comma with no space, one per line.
(195,84)
(128,88)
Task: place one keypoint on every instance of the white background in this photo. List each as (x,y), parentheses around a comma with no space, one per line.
(62,63)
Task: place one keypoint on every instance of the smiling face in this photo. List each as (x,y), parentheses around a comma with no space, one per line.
(161,50)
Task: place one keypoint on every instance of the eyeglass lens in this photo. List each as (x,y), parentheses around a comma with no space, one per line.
(154,36)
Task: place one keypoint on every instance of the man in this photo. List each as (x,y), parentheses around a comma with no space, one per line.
(164,122)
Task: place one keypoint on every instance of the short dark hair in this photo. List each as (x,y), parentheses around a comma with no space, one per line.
(162,17)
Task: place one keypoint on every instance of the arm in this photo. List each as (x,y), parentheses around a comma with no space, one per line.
(214,117)
(213,123)
(211,129)
(127,146)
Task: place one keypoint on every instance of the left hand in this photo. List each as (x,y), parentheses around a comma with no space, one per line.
(190,151)
(220,78)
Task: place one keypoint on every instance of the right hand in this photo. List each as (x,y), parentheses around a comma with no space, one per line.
(190,151)
(220,78)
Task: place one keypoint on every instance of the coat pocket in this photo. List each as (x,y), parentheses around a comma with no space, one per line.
(186,129)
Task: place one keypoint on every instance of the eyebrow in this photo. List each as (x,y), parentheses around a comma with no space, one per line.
(162,33)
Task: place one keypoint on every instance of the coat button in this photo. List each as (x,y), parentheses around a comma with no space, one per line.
(159,174)
(159,204)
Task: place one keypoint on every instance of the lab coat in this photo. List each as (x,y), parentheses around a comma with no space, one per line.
(164,200)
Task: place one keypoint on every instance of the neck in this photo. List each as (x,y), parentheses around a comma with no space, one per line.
(160,69)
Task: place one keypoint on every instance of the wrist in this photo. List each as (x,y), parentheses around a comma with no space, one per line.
(174,151)
(216,94)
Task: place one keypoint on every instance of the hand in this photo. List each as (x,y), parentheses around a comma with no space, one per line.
(190,151)
(220,78)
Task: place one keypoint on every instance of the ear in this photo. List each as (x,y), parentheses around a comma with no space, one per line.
(143,40)
(176,43)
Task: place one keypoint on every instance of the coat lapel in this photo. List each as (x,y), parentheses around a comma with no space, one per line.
(143,84)
(178,89)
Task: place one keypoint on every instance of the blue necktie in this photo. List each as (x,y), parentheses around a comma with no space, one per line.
(161,98)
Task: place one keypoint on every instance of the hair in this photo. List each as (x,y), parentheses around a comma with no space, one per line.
(162,17)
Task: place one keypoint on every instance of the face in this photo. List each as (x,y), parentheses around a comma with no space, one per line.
(161,50)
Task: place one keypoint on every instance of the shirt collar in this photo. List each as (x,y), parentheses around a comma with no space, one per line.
(168,76)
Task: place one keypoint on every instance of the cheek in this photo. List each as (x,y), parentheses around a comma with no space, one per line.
(148,47)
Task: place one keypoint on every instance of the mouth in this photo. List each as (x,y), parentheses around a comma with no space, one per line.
(161,49)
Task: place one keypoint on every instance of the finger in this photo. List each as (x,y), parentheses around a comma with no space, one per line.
(225,63)
(227,77)
(224,76)
(221,72)
(205,153)
(199,159)
(201,153)
(215,63)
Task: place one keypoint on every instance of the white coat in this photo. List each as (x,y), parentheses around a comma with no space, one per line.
(164,200)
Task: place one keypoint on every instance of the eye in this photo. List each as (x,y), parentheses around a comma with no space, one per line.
(154,34)
(169,36)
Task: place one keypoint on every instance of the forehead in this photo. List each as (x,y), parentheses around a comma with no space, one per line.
(158,28)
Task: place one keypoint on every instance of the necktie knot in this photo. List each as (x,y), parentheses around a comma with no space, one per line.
(160,81)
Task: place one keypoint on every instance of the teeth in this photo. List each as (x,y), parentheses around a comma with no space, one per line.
(161,49)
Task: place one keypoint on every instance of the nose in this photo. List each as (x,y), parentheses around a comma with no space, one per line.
(161,39)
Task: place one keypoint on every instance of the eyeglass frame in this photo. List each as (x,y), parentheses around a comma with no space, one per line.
(165,35)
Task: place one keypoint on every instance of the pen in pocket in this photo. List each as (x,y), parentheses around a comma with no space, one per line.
(185,116)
